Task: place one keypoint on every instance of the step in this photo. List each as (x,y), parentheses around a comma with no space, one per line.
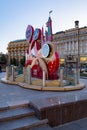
(3,106)
(10,105)
(16,113)
(22,124)
(42,127)
(17,104)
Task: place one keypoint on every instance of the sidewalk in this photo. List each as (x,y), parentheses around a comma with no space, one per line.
(13,94)
(75,125)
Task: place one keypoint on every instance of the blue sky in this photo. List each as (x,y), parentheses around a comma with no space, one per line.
(15,15)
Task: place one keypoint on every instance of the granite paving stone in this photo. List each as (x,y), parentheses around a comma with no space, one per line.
(13,94)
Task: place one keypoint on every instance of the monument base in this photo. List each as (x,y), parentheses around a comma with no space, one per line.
(60,110)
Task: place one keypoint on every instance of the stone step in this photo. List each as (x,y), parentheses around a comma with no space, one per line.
(16,113)
(18,104)
(3,107)
(13,105)
(25,123)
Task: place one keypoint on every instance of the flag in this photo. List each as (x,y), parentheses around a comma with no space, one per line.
(50,11)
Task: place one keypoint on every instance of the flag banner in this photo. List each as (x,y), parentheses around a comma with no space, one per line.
(50,11)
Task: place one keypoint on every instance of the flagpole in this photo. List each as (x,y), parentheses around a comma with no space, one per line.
(50,12)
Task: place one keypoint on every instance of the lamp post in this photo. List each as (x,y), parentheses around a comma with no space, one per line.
(77,25)
(78,53)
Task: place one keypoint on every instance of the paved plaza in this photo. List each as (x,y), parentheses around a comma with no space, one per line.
(13,94)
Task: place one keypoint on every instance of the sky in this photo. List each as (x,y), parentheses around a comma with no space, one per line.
(16,15)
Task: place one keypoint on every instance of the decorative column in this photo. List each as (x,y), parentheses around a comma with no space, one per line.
(61,77)
(44,78)
(75,76)
(29,75)
(7,73)
(12,73)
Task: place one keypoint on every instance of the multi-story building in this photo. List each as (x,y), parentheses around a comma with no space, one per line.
(16,50)
(72,42)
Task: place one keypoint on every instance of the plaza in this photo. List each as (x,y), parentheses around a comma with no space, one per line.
(13,95)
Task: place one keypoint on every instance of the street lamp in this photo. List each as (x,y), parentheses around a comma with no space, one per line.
(77,26)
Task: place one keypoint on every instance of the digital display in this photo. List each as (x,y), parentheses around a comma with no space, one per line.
(45,50)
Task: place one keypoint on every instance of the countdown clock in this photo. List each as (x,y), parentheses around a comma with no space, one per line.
(45,50)
(29,33)
(37,34)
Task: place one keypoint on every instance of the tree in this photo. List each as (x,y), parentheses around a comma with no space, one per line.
(3,59)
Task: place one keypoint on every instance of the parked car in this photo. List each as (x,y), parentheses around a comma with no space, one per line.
(83,69)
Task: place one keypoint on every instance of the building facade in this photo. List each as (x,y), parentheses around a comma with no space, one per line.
(72,42)
(17,50)
(69,42)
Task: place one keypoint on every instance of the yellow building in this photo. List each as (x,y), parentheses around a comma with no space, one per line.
(17,50)
(72,42)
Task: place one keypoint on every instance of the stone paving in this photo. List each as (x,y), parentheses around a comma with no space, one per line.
(13,94)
